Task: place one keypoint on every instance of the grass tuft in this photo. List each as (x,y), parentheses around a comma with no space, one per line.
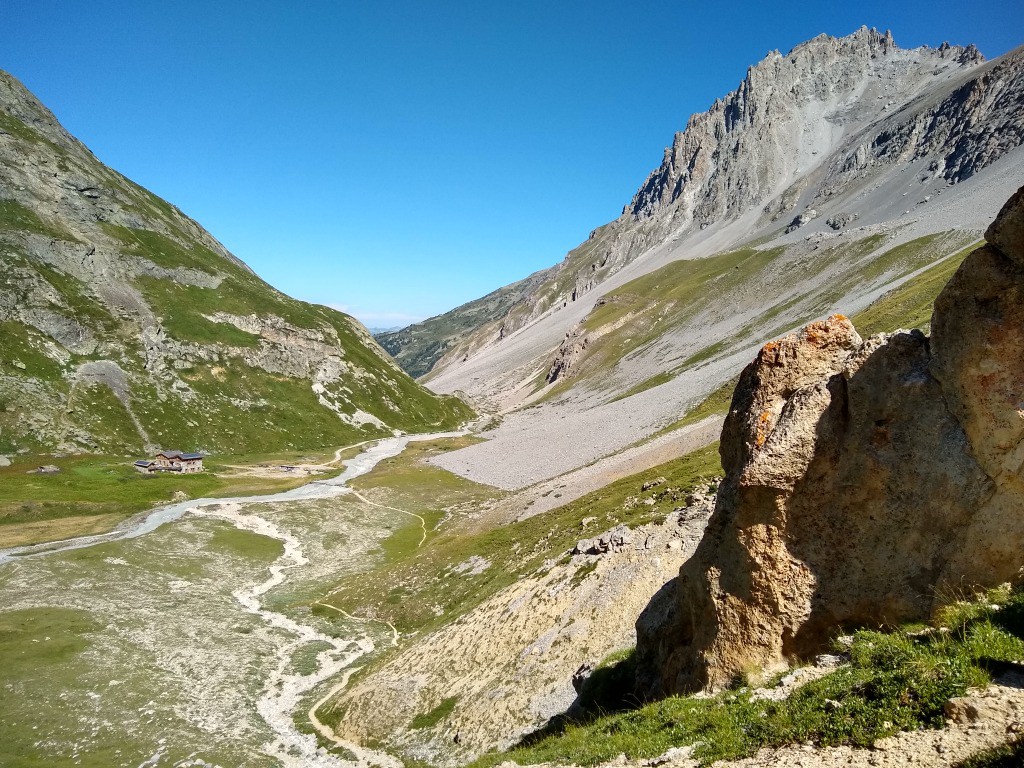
(436,715)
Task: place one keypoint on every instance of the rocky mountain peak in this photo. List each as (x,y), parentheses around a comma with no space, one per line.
(788,114)
(21,104)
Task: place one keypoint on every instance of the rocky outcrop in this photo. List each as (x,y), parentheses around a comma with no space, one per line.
(804,218)
(867,481)
(569,353)
(736,154)
(963,131)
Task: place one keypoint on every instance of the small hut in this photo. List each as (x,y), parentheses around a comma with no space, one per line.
(172,461)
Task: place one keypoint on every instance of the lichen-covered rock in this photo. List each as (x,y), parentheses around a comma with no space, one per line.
(866,481)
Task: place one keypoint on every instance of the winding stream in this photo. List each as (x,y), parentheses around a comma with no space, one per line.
(284,688)
(152,519)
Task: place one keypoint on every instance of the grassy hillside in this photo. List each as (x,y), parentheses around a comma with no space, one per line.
(762,283)
(908,306)
(123,324)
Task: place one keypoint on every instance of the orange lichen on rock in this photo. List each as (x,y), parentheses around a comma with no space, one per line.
(822,332)
(762,428)
(891,477)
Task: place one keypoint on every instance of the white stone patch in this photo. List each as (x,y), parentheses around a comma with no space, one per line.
(360,418)
(474,566)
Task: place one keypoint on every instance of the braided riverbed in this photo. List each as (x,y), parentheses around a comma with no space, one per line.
(182,639)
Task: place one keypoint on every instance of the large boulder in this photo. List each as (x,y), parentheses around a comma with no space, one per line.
(867,481)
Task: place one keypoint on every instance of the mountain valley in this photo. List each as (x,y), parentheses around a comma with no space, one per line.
(590,531)
(830,176)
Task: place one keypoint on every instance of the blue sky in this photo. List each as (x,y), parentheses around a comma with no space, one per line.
(397,159)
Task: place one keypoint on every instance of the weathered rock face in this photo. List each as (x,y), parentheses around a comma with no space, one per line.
(866,481)
(568,354)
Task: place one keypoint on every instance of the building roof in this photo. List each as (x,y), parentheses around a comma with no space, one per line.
(180,455)
(144,463)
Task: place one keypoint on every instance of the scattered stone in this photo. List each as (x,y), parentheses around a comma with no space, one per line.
(652,484)
(829,660)
(802,220)
(611,541)
(474,566)
(46,469)
(962,709)
(673,755)
(841,220)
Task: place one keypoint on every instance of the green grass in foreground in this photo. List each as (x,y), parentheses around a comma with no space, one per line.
(1007,756)
(893,682)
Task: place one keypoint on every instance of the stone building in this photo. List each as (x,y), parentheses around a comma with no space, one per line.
(172,461)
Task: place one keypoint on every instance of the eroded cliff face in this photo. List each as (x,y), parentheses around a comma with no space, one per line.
(867,481)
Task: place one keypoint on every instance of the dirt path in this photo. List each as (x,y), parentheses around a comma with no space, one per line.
(337,453)
(323,729)
(423,523)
